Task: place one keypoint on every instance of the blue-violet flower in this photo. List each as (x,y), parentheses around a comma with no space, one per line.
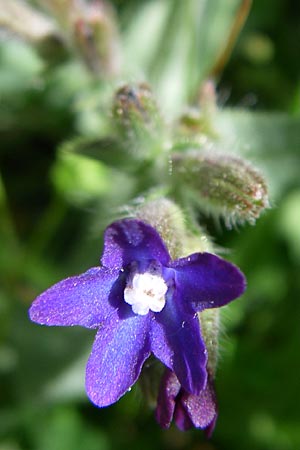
(141,302)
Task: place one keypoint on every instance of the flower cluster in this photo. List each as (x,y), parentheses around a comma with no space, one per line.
(141,302)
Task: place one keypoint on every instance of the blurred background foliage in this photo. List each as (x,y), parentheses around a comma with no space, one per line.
(54,205)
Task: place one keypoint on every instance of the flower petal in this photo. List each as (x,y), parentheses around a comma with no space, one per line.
(181,418)
(119,351)
(168,390)
(201,409)
(177,342)
(207,281)
(131,240)
(79,300)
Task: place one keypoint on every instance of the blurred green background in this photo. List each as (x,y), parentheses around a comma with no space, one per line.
(54,206)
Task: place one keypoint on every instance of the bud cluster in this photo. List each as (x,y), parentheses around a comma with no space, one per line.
(88,28)
(219,183)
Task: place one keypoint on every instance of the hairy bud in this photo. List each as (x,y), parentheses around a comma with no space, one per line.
(96,38)
(90,29)
(224,185)
(197,123)
(137,117)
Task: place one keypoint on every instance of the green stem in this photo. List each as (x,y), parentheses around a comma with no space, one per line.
(238,23)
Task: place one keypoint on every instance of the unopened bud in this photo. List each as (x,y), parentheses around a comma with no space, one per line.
(197,123)
(224,185)
(137,117)
(208,97)
(96,38)
(90,28)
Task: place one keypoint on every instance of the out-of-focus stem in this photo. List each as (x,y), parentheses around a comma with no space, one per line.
(238,23)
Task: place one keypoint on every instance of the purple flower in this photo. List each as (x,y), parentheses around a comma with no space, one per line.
(187,410)
(141,302)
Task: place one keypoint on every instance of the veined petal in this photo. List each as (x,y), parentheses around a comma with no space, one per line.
(79,300)
(131,240)
(176,340)
(205,281)
(118,353)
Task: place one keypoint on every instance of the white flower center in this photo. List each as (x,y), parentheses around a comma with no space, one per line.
(146,292)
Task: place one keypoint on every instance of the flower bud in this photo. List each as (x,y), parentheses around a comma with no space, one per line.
(90,30)
(197,122)
(224,185)
(95,36)
(192,124)
(137,117)
(208,97)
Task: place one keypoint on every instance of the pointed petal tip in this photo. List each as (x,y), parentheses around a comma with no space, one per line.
(37,313)
(118,354)
(102,401)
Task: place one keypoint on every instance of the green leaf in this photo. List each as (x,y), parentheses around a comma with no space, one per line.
(79,178)
(20,67)
(288,223)
(108,150)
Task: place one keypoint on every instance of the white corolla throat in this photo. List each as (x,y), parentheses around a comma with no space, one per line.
(146,292)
